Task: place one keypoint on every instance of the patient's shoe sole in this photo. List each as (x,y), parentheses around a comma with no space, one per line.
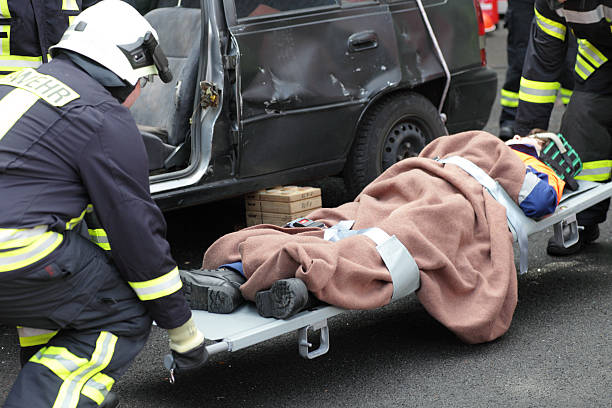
(285,298)
(224,299)
(197,296)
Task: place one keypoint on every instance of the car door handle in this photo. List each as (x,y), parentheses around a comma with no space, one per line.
(364,40)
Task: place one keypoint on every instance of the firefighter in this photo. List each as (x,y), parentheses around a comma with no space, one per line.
(29,28)
(68,146)
(518,22)
(587,123)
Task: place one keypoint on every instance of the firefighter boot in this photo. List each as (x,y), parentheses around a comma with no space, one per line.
(589,234)
(285,298)
(217,291)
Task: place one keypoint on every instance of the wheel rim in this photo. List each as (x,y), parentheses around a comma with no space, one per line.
(405,139)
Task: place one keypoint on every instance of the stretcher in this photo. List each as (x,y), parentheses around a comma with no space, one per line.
(245,327)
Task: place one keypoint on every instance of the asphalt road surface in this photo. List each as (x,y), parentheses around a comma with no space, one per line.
(557,353)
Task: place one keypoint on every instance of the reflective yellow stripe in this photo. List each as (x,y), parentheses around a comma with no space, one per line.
(588,51)
(98,236)
(29,336)
(70,5)
(75,221)
(13,106)
(59,360)
(5,39)
(550,27)
(582,68)
(19,258)
(70,391)
(13,238)
(538,92)
(98,387)
(509,98)
(4,9)
(46,87)
(16,63)
(566,95)
(599,170)
(158,287)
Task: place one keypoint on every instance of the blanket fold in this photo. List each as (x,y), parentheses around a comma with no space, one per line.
(456,232)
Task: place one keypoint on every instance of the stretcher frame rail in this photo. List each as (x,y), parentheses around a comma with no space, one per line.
(244,327)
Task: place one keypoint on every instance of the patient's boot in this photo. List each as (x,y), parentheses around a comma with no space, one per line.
(285,298)
(217,290)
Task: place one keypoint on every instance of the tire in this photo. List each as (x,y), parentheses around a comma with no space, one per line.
(395,129)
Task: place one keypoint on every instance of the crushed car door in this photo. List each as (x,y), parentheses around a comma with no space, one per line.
(306,70)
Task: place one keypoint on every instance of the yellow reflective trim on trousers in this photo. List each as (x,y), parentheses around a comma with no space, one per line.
(70,391)
(5,40)
(75,221)
(599,170)
(13,106)
(4,9)
(582,68)
(13,238)
(550,27)
(538,92)
(19,258)
(98,236)
(158,287)
(509,98)
(98,387)
(59,360)
(588,51)
(29,336)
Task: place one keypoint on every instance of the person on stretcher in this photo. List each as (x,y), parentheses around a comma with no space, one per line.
(453,228)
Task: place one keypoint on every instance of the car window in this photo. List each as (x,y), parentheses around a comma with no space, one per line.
(256,8)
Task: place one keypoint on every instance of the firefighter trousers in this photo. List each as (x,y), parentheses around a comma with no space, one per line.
(587,126)
(101,325)
(518,20)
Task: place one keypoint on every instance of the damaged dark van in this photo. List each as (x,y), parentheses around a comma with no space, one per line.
(272,92)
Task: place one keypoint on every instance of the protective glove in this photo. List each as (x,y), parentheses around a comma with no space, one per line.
(187,346)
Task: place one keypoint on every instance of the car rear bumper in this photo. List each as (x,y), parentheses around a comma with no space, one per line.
(470,99)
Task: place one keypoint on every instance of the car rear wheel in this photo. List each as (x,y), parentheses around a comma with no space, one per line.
(395,129)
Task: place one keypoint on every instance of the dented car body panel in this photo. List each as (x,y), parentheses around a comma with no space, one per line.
(297,84)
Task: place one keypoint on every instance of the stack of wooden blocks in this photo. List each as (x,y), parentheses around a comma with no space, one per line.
(279,205)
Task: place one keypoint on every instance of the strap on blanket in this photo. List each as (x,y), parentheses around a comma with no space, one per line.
(401,265)
(513,211)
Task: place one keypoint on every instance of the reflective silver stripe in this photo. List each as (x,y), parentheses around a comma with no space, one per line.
(158,287)
(20,63)
(70,5)
(591,53)
(539,92)
(13,106)
(550,27)
(531,180)
(29,336)
(30,254)
(402,267)
(67,364)
(69,393)
(582,68)
(513,211)
(17,238)
(587,17)
(596,172)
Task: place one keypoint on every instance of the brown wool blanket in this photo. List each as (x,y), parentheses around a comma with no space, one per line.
(456,232)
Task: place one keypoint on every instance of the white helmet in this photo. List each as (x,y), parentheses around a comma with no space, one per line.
(113,34)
